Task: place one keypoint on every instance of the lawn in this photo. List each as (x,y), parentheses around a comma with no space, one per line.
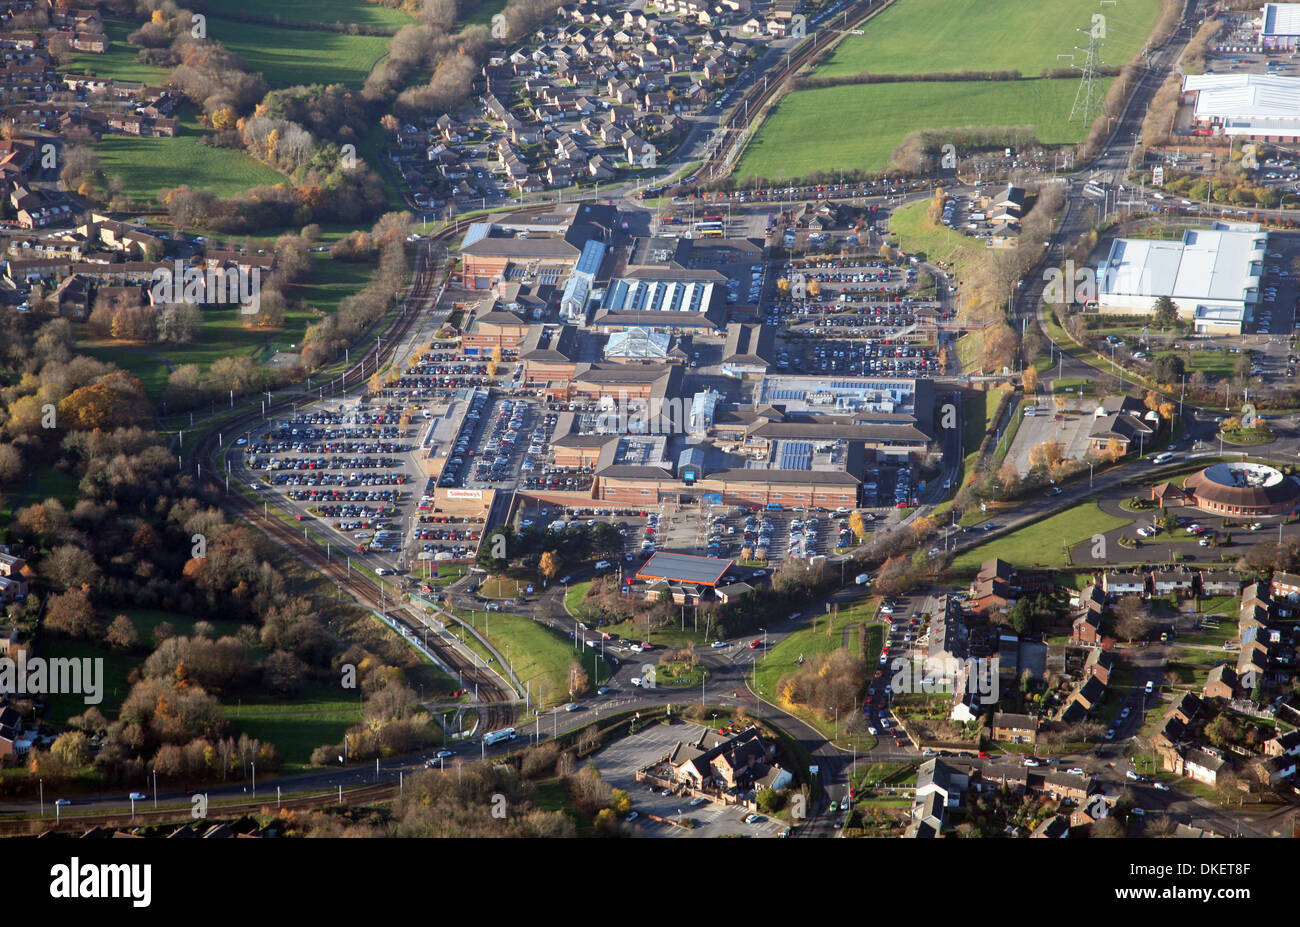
(911,229)
(482,13)
(318,11)
(574,596)
(1041,544)
(538,654)
(969,348)
(825,635)
(870,121)
(120,61)
(978,411)
(296,734)
(287,57)
(114,683)
(1077,385)
(928,36)
(147,166)
(223,334)
(146,619)
(42,483)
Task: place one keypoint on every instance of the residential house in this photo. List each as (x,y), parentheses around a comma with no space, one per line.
(1221,683)
(1220,582)
(1016,729)
(1186,708)
(1099,664)
(1122,584)
(1287,744)
(1200,764)
(1086,629)
(1180,583)
(1054,827)
(1091,811)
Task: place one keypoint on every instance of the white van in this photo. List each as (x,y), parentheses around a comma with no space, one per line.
(1162,458)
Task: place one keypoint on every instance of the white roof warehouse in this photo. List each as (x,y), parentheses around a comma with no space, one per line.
(1279,25)
(1212,272)
(1263,106)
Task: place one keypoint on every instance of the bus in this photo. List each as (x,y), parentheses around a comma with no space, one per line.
(712,218)
(711,233)
(494,737)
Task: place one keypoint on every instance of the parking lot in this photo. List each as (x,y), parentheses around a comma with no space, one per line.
(618,763)
(1070,426)
(354,468)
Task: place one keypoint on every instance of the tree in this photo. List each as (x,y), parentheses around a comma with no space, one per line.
(72,749)
(162,631)
(1131,618)
(11,463)
(1021,615)
(71,614)
(858,525)
(578,680)
(999,347)
(284,673)
(1047,454)
(1009,480)
(1166,312)
(121,633)
(1169,368)
(1222,731)
(1029,379)
(1107,828)
(549,565)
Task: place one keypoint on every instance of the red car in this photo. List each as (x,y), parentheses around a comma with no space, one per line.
(753,645)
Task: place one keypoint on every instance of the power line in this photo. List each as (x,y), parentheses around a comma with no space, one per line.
(1087,99)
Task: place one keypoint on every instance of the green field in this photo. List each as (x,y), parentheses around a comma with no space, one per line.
(120,61)
(912,230)
(783,657)
(870,121)
(1040,544)
(929,36)
(287,57)
(573,598)
(222,333)
(318,715)
(977,412)
(537,653)
(321,11)
(117,667)
(481,15)
(42,483)
(149,165)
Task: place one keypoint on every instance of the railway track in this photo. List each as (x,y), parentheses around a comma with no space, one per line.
(21,827)
(497,708)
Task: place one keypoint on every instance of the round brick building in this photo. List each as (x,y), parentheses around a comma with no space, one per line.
(1242,489)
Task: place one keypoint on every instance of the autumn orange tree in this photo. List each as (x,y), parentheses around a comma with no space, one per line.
(549,564)
(1047,454)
